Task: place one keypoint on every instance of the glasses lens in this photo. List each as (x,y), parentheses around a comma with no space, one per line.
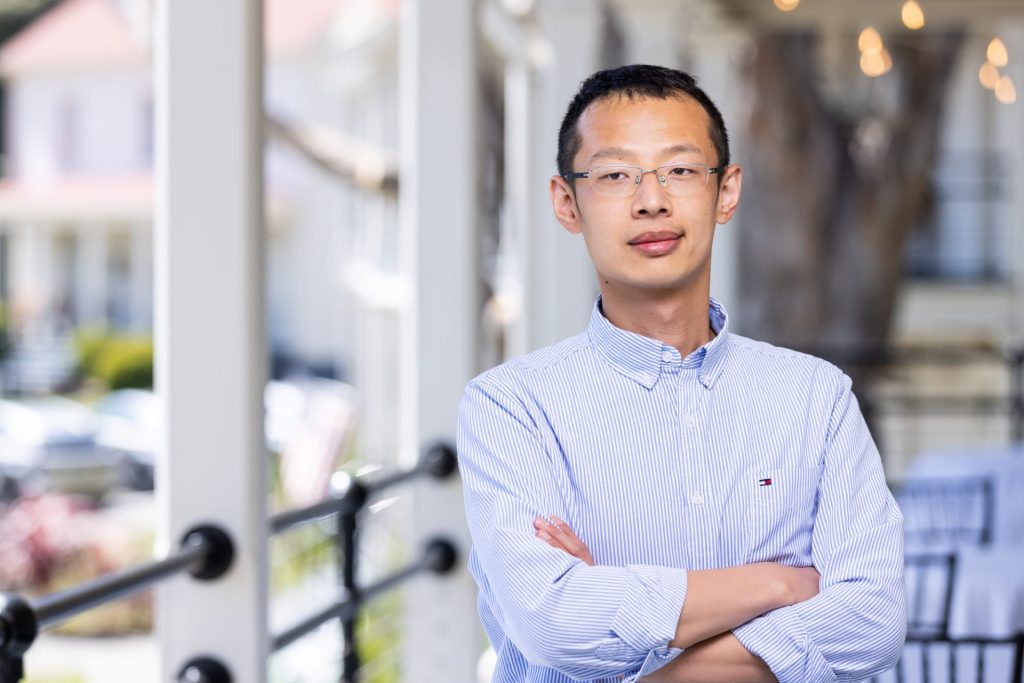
(683,179)
(618,181)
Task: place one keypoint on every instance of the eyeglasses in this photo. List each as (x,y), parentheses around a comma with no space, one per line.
(678,180)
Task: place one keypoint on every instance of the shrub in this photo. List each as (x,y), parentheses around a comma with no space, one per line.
(118,361)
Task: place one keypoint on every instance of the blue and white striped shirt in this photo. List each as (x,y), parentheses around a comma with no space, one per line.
(741,452)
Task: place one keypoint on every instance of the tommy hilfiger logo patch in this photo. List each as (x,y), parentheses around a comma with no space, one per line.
(764,482)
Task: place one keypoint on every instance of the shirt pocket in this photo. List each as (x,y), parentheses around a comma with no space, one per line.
(781,511)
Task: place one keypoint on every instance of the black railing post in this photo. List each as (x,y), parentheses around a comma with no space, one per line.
(346,540)
(1015,361)
(352,495)
(18,629)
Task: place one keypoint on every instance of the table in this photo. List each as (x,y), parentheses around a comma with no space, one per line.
(1003,465)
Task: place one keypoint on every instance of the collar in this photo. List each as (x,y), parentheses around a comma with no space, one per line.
(643,359)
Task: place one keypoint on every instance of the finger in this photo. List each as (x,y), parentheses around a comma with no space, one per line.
(553,542)
(569,540)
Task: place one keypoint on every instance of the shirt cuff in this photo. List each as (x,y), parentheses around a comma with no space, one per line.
(780,639)
(648,614)
(655,660)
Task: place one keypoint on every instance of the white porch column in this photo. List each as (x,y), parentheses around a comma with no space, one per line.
(559,279)
(437,200)
(142,275)
(210,338)
(91,289)
(651,29)
(1011,132)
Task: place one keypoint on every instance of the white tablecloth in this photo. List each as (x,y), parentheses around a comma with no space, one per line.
(1004,465)
(988,593)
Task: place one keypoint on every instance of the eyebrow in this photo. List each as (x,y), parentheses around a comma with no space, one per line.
(622,152)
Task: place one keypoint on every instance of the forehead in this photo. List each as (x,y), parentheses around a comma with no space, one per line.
(644,125)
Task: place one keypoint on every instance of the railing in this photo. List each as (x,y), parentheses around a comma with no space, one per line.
(347,502)
(206,552)
(868,360)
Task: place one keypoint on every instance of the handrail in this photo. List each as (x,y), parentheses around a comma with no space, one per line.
(438,556)
(206,552)
(438,461)
(347,501)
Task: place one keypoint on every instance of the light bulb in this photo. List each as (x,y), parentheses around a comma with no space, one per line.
(912,14)
(997,53)
(787,5)
(875,64)
(869,40)
(1005,92)
(988,74)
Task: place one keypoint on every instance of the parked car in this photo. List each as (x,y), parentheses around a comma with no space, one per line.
(129,423)
(48,443)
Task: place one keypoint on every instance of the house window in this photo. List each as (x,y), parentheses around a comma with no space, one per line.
(67,136)
(964,237)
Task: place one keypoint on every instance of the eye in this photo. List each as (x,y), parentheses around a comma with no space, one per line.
(681,171)
(613,175)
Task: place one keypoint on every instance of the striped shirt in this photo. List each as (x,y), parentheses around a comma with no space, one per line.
(740,452)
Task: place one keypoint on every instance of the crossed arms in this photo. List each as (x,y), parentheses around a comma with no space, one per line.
(718,600)
(748,622)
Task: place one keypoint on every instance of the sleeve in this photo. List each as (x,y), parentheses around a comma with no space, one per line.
(855,627)
(586,622)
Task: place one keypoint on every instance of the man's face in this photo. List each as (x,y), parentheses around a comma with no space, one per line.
(649,240)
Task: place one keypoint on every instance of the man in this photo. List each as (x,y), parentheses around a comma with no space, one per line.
(721,497)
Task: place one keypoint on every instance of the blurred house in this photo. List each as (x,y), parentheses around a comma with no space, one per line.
(77,192)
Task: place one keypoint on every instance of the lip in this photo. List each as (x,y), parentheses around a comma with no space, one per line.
(659,236)
(656,243)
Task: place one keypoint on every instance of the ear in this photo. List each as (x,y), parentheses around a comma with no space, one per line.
(729,194)
(563,201)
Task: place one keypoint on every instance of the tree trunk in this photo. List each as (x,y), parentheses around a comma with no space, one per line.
(832,192)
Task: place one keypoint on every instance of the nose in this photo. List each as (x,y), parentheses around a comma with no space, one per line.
(650,198)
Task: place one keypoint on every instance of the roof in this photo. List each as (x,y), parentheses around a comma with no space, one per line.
(77,34)
(81,35)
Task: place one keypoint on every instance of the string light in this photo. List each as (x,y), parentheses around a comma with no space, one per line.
(875,64)
(988,74)
(787,5)
(997,53)
(875,60)
(912,15)
(1005,91)
(869,40)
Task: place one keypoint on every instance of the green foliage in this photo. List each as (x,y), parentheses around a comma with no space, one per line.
(5,340)
(118,361)
(379,638)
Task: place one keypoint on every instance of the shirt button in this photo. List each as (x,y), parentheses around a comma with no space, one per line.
(688,420)
(667,356)
(697,498)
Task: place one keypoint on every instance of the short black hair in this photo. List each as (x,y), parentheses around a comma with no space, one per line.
(636,81)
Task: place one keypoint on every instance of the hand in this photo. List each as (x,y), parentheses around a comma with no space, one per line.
(557,534)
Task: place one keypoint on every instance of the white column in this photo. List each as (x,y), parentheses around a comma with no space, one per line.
(91,289)
(437,213)
(651,31)
(560,282)
(1011,132)
(210,339)
(142,275)
(28,289)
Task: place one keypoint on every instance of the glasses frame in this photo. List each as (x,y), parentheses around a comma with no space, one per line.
(637,179)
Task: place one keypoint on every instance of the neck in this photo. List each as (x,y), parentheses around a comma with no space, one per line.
(679,319)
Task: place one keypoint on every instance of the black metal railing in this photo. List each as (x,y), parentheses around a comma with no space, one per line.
(347,501)
(206,552)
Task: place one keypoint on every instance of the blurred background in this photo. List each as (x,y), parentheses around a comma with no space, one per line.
(406,244)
